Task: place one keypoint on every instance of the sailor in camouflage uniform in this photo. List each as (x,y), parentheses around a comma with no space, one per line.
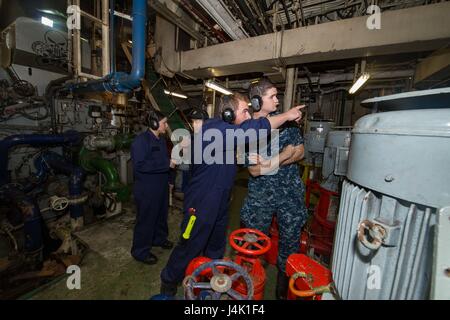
(280,194)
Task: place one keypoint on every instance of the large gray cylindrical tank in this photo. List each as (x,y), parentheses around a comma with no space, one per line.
(399,178)
(335,159)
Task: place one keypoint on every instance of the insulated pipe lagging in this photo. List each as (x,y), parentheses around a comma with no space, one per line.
(35,140)
(121,82)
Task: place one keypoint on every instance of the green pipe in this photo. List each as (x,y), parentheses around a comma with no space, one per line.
(92,161)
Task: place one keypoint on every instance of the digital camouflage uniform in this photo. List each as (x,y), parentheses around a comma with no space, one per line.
(281,194)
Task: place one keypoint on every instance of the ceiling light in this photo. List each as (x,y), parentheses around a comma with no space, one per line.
(358,84)
(46,21)
(174,94)
(217,87)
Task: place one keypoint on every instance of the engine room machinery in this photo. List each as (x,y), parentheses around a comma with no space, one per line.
(241,279)
(394,213)
(315,137)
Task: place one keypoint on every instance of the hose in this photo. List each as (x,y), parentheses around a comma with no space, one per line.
(36,118)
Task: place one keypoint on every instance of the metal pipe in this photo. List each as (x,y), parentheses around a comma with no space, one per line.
(124,157)
(112,36)
(289,91)
(92,161)
(248,13)
(67,138)
(218,33)
(51,160)
(119,81)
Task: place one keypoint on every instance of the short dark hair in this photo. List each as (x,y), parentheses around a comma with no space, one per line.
(158,114)
(260,87)
(232,101)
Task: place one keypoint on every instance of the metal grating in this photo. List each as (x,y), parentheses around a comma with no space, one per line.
(404,263)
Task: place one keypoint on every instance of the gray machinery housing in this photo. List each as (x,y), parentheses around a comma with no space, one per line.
(335,159)
(394,213)
(315,137)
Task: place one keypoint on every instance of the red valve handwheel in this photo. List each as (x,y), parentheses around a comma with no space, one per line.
(242,240)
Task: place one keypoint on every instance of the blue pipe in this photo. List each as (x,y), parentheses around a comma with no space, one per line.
(35,140)
(51,160)
(121,82)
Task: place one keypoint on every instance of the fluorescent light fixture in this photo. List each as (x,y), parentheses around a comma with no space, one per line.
(358,84)
(46,21)
(178,95)
(215,86)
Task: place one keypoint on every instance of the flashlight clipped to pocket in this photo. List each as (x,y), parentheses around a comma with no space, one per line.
(190,225)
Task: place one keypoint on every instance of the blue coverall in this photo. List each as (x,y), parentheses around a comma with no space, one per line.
(151,178)
(208,192)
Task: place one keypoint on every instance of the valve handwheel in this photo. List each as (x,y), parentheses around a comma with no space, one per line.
(224,274)
(59,204)
(250,241)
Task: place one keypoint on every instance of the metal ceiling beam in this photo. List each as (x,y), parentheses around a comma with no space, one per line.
(408,30)
(433,70)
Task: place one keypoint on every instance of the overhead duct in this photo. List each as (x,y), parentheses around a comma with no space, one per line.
(121,82)
(224,18)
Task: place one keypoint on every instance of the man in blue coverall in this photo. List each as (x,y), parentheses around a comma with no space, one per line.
(209,190)
(151,167)
(281,193)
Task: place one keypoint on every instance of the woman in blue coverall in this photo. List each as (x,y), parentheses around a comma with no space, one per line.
(209,190)
(151,167)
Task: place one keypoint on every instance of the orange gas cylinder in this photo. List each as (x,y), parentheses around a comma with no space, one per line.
(195,263)
(250,244)
(308,279)
(320,234)
(272,255)
(327,208)
(257,273)
(320,246)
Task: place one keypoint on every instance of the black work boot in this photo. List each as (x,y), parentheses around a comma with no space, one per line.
(282,286)
(168,289)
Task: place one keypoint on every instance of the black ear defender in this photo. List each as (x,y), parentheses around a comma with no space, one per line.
(256,103)
(152,121)
(228,114)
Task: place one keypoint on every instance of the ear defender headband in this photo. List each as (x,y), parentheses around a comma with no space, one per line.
(152,120)
(256,102)
(228,114)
